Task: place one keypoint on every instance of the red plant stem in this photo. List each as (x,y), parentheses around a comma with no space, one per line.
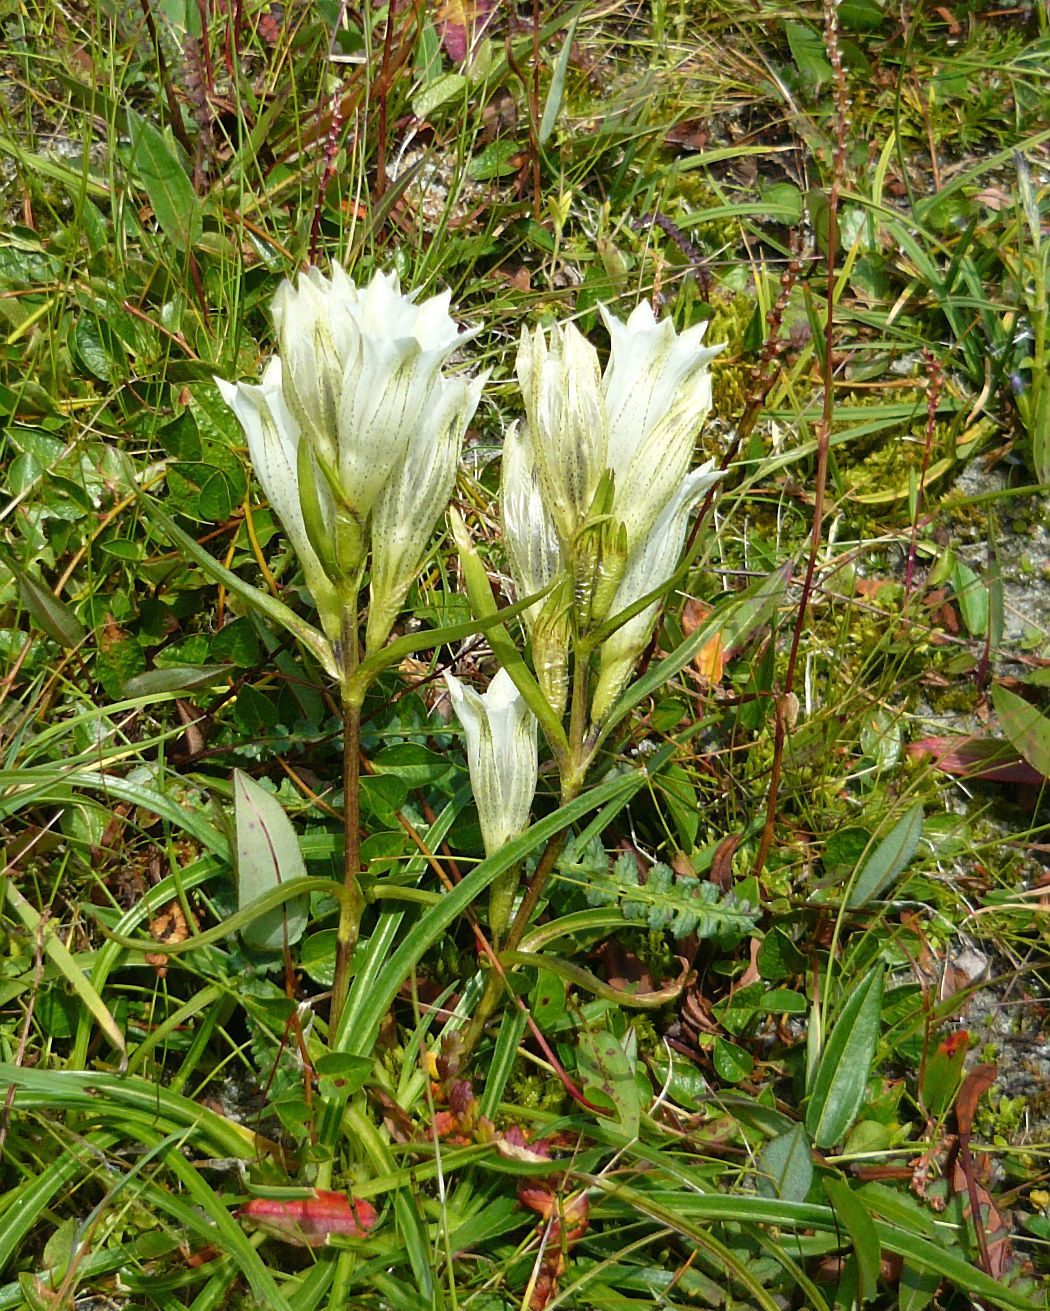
(831,35)
(383,89)
(933,396)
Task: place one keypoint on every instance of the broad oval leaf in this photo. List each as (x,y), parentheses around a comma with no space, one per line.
(842,1074)
(786,1166)
(268,856)
(607,1072)
(176,205)
(1027,729)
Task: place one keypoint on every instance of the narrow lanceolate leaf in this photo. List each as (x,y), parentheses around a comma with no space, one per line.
(854,1217)
(1026,728)
(889,859)
(268,856)
(842,1075)
(65,962)
(176,205)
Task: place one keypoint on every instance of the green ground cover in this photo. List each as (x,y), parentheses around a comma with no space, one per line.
(752,1014)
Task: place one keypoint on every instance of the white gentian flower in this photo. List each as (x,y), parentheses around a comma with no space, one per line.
(502,755)
(412,501)
(649,565)
(529,534)
(657,391)
(565,408)
(363,374)
(359,381)
(639,423)
(273,445)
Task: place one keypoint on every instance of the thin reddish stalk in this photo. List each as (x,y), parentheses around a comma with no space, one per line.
(831,37)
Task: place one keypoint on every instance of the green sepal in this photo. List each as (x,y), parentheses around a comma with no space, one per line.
(313,517)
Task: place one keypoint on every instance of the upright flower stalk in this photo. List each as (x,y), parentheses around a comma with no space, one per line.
(354,434)
(597,488)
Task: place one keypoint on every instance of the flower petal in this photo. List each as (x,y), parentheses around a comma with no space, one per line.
(648,566)
(273,445)
(534,552)
(413,499)
(502,755)
(657,393)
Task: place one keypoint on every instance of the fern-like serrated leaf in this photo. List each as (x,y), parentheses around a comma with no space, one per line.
(679,906)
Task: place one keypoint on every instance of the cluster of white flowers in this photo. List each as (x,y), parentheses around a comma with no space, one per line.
(355,432)
(355,435)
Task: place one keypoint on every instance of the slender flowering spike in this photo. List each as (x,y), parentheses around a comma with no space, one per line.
(649,565)
(502,754)
(413,500)
(273,444)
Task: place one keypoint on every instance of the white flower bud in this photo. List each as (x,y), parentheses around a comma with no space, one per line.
(502,754)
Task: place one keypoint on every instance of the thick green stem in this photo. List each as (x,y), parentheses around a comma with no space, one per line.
(352,905)
(494,983)
(573,768)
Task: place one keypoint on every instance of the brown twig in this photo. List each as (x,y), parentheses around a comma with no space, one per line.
(831,40)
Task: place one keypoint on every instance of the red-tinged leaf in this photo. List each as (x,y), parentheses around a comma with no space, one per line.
(311,1221)
(975,1085)
(943,1072)
(460,23)
(971,757)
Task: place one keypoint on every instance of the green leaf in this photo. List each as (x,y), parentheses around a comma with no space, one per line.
(809,53)
(557,86)
(916,1287)
(415,765)
(731,1062)
(46,933)
(311,638)
(841,1079)
(972,596)
(786,1166)
(864,1241)
(734,623)
(54,617)
(889,859)
(437,92)
(99,350)
(607,1074)
(367,1004)
(268,856)
(1026,728)
(175,678)
(678,904)
(175,203)
(216,498)
(676,788)
(778,957)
